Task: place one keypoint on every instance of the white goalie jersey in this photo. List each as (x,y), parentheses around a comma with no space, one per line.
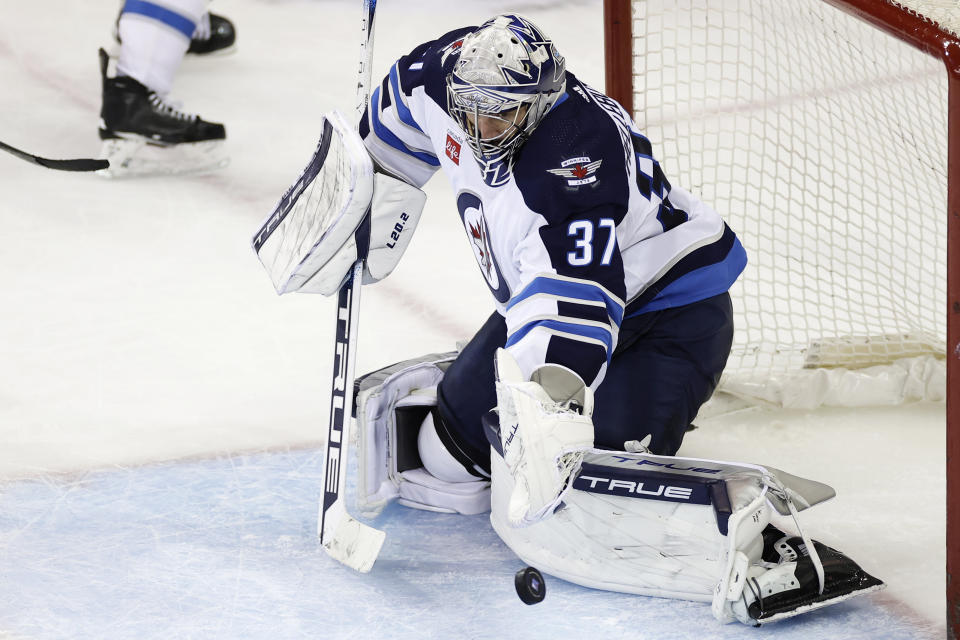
(583,234)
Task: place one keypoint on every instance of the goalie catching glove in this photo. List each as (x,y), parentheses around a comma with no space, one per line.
(337,212)
(547,427)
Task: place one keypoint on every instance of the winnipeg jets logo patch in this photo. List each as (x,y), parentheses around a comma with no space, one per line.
(471,212)
(480,241)
(578,171)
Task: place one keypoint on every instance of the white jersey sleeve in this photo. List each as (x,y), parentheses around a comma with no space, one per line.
(391,126)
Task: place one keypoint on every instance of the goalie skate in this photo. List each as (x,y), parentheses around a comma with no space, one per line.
(791,586)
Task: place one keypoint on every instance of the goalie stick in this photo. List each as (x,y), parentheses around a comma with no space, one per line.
(76,164)
(343,537)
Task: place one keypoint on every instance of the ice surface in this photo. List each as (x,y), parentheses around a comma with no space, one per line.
(226,548)
(161,409)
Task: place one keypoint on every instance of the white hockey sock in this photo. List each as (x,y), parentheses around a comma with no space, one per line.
(155,35)
(436,458)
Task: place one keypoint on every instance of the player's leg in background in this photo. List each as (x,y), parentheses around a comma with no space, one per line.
(467,392)
(666,365)
(154,38)
(136,119)
(215,34)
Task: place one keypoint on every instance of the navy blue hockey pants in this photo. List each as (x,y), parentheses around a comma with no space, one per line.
(666,365)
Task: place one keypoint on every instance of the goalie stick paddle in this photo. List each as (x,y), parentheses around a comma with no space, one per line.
(76,164)
(343,537)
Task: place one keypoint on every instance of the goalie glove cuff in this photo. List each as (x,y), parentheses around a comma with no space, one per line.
(546,427)
(394,214)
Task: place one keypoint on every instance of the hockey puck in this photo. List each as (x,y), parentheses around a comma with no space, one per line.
(530,585)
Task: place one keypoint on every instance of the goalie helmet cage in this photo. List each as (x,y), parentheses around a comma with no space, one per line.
(828,134)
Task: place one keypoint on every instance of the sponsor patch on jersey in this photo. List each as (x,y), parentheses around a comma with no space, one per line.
(578,171)
(453,149)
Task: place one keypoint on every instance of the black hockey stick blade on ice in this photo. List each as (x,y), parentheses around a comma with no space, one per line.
(76,164)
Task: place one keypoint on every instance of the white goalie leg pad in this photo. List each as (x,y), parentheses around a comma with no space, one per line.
(443,484)
(682,528)
(392,405)
(421,490)
(548,428)
(437,459)
(629,545)
(654,525)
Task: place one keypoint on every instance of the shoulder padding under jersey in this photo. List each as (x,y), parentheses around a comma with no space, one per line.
(427,65)
(575,161)
(391,126)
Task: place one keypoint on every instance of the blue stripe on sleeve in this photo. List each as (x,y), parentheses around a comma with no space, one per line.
(567,289)
(181,23)
(588,331)
(391,139)
(405,116)
(699,284)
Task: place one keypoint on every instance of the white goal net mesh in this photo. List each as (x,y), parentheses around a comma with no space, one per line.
(823,143)
(945,13)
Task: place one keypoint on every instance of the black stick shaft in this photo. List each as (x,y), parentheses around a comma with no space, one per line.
(77,164)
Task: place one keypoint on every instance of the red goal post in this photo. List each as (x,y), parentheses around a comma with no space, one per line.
(926,26)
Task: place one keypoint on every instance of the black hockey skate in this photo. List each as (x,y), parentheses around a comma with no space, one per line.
(144,135)
(791,586)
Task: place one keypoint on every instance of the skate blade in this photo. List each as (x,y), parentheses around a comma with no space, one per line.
(135,157)
(819,605)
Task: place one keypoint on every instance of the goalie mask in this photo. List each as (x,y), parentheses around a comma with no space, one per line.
(507,78)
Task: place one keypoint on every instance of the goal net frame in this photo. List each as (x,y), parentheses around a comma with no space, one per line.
(923,33)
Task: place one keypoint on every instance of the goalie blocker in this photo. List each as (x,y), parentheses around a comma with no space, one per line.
(338,211)
(338,224)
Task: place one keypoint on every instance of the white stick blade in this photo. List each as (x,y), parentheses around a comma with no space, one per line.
(355,544)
